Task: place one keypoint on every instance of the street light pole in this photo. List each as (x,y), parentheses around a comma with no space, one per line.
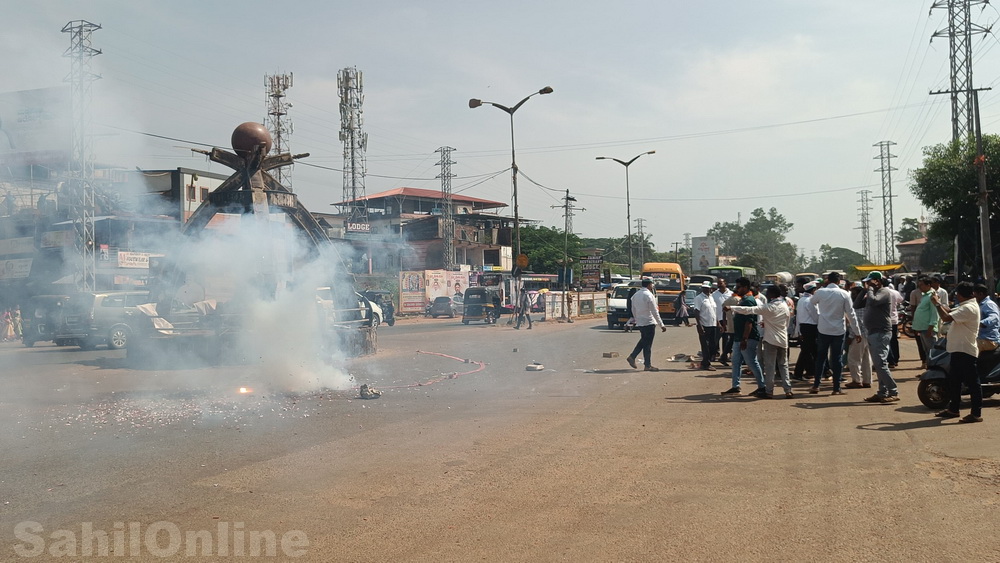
(474,103)
(628,202)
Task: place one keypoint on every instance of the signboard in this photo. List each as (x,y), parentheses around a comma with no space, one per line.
(591,275)
(35,127)
(58,239)
(411,290)
(15,269)
(133,259)
(704,252)
(22,245)
(352,227)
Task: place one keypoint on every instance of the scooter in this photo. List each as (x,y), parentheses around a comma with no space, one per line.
(933,387)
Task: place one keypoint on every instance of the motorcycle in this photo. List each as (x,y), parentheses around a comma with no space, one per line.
(933,387)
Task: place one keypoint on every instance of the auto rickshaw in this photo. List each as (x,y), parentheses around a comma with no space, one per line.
(479,305)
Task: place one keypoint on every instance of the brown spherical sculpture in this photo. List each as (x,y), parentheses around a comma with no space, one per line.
(248,136)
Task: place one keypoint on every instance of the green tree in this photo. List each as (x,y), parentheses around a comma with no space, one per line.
(836,258)
(759,243)
(947,184)
(544,248)
(909,229)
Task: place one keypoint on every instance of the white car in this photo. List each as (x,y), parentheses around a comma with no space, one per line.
(361,309)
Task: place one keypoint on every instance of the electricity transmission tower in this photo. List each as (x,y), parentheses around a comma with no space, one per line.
(885,167)
(80,52)
(278,122)
(568,208)
(350,84)
(959,33)
(865,226)
(640,223)
(448,212)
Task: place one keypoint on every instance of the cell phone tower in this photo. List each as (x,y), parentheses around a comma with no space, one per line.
(81,170)
(351,87)
(278,122)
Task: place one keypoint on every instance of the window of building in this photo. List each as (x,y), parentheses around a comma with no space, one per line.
(190,194)
(204,194)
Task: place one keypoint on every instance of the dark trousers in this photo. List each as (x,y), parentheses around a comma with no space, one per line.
(727,346)
(964,370)
(829,351)
(894,346)
(645,345)
(920,349)
(806,362)
(707,335)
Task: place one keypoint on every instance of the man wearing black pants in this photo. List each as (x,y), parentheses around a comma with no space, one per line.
(647,318)
(708,325)
(805,316)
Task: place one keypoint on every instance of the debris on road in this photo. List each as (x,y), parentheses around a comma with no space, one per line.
(367,392)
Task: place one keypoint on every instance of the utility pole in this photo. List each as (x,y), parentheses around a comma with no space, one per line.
(863,217)
(640,225)
(568,208)
(983,197)
(677,255)
(959,33)
(80,78)
(885,167)
(448,213)
(278,123)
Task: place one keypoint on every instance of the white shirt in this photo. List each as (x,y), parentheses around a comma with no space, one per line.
(895,298)
(805,311)
(775,316)
(942,294)
(720,298)
(834,305)
(705,304)
(644,309)
(964,328)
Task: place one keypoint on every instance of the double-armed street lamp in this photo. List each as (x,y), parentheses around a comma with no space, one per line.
(474,103)
(628,203)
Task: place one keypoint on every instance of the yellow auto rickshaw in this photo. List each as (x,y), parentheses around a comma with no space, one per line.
(480,305)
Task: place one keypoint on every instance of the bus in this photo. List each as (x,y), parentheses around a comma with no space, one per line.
(730,273)
(668,280)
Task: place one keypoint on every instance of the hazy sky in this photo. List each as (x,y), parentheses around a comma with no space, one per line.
(747,104)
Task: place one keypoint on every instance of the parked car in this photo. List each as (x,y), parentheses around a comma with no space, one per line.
(445,306)
(360,308)
(90,319)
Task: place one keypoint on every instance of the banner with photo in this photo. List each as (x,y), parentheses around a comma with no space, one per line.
(411,292)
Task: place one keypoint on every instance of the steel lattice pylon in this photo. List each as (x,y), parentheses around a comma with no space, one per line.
(81,172)
(865,225)
(448,211)
(885,167)
(350,84)
(278,122)
(959,33)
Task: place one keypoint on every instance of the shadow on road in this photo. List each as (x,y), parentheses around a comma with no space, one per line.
(897,426)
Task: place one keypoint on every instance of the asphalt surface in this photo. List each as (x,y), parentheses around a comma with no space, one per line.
(467,455)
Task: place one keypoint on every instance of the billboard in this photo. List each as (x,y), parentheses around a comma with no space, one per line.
(411,289)
(703,254)
(36,127)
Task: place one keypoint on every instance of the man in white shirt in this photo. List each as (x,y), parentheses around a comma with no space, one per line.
(776,315)
(707,321)
(964,352)
(724,341)
(833,305)
(647,318)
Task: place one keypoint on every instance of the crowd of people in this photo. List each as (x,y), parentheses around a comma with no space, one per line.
(837,323)
(10,324)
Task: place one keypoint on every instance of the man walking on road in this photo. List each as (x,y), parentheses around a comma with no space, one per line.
(724,340)
(806,317)
(523,309)
(879,301)
(834,306)
(708,325)
(647,318)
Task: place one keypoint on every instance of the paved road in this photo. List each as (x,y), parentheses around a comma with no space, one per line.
(586,460)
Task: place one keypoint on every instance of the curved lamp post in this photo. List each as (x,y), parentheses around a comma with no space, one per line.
(628,203)
(474,103)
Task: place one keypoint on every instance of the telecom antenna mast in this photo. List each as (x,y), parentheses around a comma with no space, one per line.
(350,85)
(448,212)
(885,167)
(81,172)
(959,33)
(866,249)
(278,122)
